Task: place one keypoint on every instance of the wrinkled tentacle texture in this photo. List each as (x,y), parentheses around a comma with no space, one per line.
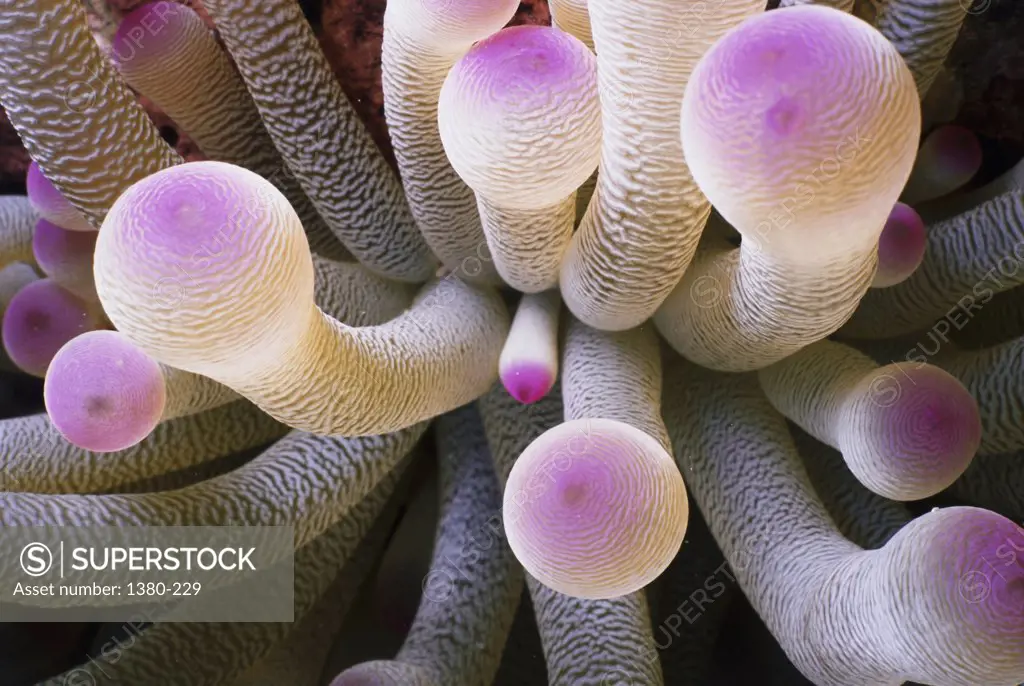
(589,642)
(969,258)
(320,137)
(900,247)
(212,653)
(161,38)
(246,316)
(923,31)
(866,518)
(66,257)
(906,430)
(17,222)
(596,508)
(528,365)
(573,17)
(801,126)
(948,158)
(103,393)
(499,102)
(14,277)
(995,377)
(472,590)
(642,225)
(911,611)
(35,458)
(40,319)
(51,204)
(73,112)
(422,40)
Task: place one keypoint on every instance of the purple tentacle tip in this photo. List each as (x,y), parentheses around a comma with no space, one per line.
(102,393)
(901,246)
(527,383)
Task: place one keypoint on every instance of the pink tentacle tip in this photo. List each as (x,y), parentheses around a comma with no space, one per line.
(527,383)
(957,148)
(102,393)
(147,29)
(901,246)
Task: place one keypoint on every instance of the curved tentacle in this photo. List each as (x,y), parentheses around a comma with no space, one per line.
(74,113)
(320,137)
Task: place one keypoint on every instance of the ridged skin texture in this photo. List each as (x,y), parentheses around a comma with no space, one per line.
(969,258)
(993,482)
(845,617)
(14,277)
(301,658)
(866,518)
(214,653)
(73,112)
(949,157)
(320,137)
(906,430)
(528,366)
(51,204)
(422,40)
(520,121)
(788,162)
(163,38)
(305,481)
(35,458)
(995,377)
(573,17)
(472,590)
(17,222)
(924,32)
(586,642)
(643,223)
(42,317)
(901,246)
(244,312)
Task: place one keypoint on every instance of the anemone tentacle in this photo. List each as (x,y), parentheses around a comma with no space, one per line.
(35,458)
(948,158)
(924,32)
(320,137)
(787,164)
(66,257)
(969,258)
(212,653)
(161,38)
(422,40)
(585,641)
(905,430)
(641,228)
(245,315)
(573,17)
(462,622)
(17,223)
(528,366)
(74,113)
(506,91)
(51,204)
(816,591)
(13,277)
(864,517)
(901,246)
(993,482)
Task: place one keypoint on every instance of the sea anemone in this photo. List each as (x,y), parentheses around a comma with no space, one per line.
(673,299)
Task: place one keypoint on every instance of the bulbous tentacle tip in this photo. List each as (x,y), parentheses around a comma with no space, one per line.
(915,425)
(595,508)
(40,319)
(981,557)
(51,204)
(901,246)
(527,382)
(102,393)
(448,24)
